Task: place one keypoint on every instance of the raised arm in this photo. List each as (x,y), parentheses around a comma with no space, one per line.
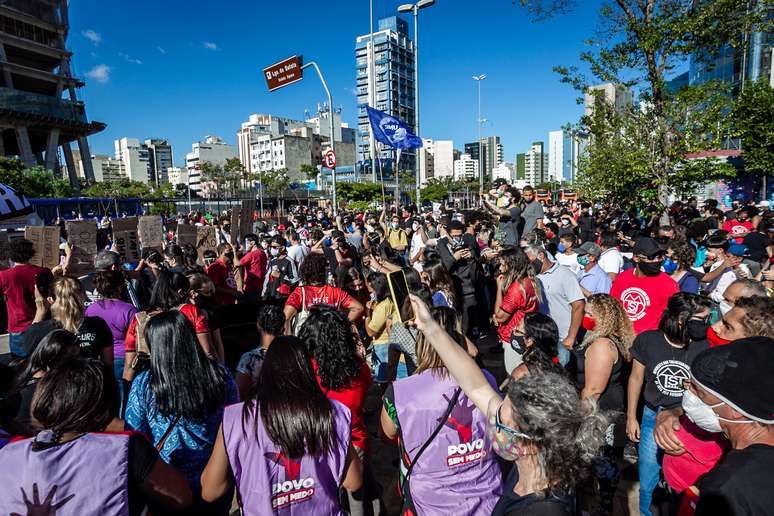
(456,359)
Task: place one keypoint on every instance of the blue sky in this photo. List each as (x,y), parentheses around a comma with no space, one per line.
(184,69)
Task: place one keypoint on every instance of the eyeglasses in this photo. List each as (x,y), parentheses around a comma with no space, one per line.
(513,433)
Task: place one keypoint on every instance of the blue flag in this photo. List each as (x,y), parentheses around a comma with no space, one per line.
(391,131)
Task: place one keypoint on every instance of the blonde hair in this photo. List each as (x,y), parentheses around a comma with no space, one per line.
(68,305)
(427,357)
(611,322)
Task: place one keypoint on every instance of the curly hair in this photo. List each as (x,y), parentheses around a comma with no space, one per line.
(328,337)
(517,269)
(313,269)
(611,323)
(684,254)
(757,319)
(271,319)
(21,250)
(568,432)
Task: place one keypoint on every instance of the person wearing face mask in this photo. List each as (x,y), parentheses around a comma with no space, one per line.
(591,277)
(254,266)
(282,275)
(541,425)
(221,273)
(730,392)
(394,234)
(678,264)
(644,290)
(534,340)
(739,227)
(661,361)
(509,214)
(566,254)
(442,436)
(459,254)
(417,248)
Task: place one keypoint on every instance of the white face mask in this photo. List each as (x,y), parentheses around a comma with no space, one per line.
(725,307)
(274,251)
(394,225)
(415,226)
(703,415)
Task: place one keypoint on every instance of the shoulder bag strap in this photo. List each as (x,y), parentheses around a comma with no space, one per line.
(449,408)
(164,437)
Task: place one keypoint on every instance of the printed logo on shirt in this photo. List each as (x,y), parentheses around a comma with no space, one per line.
(293,489)
(635,301)
(738,229)
(461,420)
(670,376)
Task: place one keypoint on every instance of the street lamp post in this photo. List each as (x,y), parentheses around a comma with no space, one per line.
(414,8)
(478,79)
(371,89)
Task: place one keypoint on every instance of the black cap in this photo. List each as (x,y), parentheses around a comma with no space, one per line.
(646,246)
(741,374)
(499,182)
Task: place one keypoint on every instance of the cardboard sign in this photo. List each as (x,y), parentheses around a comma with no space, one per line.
(186,234)
(235,231)
(125,224)
(151,232)
(127,244)
(45,241)
(206,239)
(83,235)
(81,262)
(246,218)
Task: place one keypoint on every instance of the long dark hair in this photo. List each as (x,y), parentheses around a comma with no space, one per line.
(680,308)
(541,356)
(54,349)
(327,335)
(170,290)
(295,413)
(80,395)
(183,380)
(378,282)
(441,281)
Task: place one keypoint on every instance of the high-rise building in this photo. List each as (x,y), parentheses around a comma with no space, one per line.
(395,91)
(177,176)
(107,168)
(492,151)
(211,150)
(35,118)
(536,165)
(503,171)
(564,150)
(135,158)
(521,168)
(436,159)
(617,95)
(465,168)
(159,159)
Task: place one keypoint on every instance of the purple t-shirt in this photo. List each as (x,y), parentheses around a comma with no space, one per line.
(117,314)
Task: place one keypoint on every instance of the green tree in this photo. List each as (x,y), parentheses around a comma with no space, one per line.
(359,192)
(638,44)
(276,183)
(752,120)
(119,189)
(235,174)
(309,172)
(33,182)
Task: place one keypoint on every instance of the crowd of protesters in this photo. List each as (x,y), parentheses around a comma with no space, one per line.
(618,336)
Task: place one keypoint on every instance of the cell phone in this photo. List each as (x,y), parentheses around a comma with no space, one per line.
(399,292)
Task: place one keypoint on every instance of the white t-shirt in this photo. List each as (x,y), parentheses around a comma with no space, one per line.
(416,245)
(568,260)
(297,253)
(611,261)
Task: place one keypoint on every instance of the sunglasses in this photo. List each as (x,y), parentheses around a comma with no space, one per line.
(513,433)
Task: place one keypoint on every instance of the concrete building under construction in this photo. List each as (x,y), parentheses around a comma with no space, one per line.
(39,109)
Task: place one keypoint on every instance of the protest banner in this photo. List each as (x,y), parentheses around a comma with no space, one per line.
(125,224)
(206,239)
(126,239)
(83,235)
(186,234)
(45,241)
(151,232)
(235,221)
(246,218)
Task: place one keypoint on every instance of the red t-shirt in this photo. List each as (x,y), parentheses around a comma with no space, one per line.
(322,295)
(519,300)
(195,316)
(218,272)
(736,227)
(644,298)
(254,264)
(18,286)
(353,397)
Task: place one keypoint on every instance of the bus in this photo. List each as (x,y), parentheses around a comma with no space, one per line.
(49,209)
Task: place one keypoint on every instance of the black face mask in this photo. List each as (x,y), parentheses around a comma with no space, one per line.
(230,256)
(649,268)
(696,330)
(537,265)
(518,344)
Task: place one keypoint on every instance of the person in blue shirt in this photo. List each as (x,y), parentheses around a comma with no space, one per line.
(178,402)
(592,279)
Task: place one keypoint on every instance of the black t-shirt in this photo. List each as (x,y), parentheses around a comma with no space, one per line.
(740,485)
(93,335)
(757,243)
(666,367)
(511,504)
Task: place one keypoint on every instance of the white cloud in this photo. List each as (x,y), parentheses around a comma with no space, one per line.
(209,45)
(92,36)
(161,50)
(129,59)
(100,73)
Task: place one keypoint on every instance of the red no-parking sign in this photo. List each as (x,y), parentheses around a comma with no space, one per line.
(329,159)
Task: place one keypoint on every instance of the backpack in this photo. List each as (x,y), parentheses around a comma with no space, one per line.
(301,316)
(142,350)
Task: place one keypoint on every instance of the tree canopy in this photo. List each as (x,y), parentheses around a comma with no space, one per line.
(33,182)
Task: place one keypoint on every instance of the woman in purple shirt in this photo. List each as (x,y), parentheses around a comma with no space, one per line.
(116,313)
